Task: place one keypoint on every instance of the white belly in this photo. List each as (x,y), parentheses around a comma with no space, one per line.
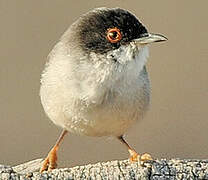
(112,116)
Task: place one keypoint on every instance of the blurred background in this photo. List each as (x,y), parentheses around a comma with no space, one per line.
(176,125)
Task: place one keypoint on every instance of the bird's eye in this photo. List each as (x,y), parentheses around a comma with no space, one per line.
(114,35)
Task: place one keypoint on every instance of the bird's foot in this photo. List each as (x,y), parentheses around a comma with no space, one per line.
(145,157)
(135,157)
(50,161)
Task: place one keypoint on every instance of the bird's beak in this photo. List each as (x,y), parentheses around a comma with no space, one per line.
(148,38)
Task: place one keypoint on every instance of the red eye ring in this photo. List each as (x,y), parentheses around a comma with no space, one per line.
(114,35)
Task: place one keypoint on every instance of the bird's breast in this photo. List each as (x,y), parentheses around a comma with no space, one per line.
(110,110)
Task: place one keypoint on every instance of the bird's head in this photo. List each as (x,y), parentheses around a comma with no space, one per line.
(111,34)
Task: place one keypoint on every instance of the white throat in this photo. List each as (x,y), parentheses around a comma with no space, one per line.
(131,56)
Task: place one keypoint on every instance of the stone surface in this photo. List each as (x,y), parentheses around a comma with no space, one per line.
(113,170)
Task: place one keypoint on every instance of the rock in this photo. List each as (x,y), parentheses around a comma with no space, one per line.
(115,170)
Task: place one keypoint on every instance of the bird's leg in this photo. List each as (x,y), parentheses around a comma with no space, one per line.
(134,156)
(50,161)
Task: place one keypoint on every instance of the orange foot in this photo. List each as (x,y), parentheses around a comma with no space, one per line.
(50,161)
(145,157)
(135,157)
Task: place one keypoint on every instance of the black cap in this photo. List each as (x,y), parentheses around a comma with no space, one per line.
(91,29)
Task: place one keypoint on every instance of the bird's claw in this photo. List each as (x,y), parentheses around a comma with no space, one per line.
(145,157)
(135,157)
(50,161)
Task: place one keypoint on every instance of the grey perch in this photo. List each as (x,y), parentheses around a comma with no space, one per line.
(113,170)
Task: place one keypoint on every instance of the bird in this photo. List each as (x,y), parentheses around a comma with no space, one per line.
(95,82)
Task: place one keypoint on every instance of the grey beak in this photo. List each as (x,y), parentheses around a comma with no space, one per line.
(150,38)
